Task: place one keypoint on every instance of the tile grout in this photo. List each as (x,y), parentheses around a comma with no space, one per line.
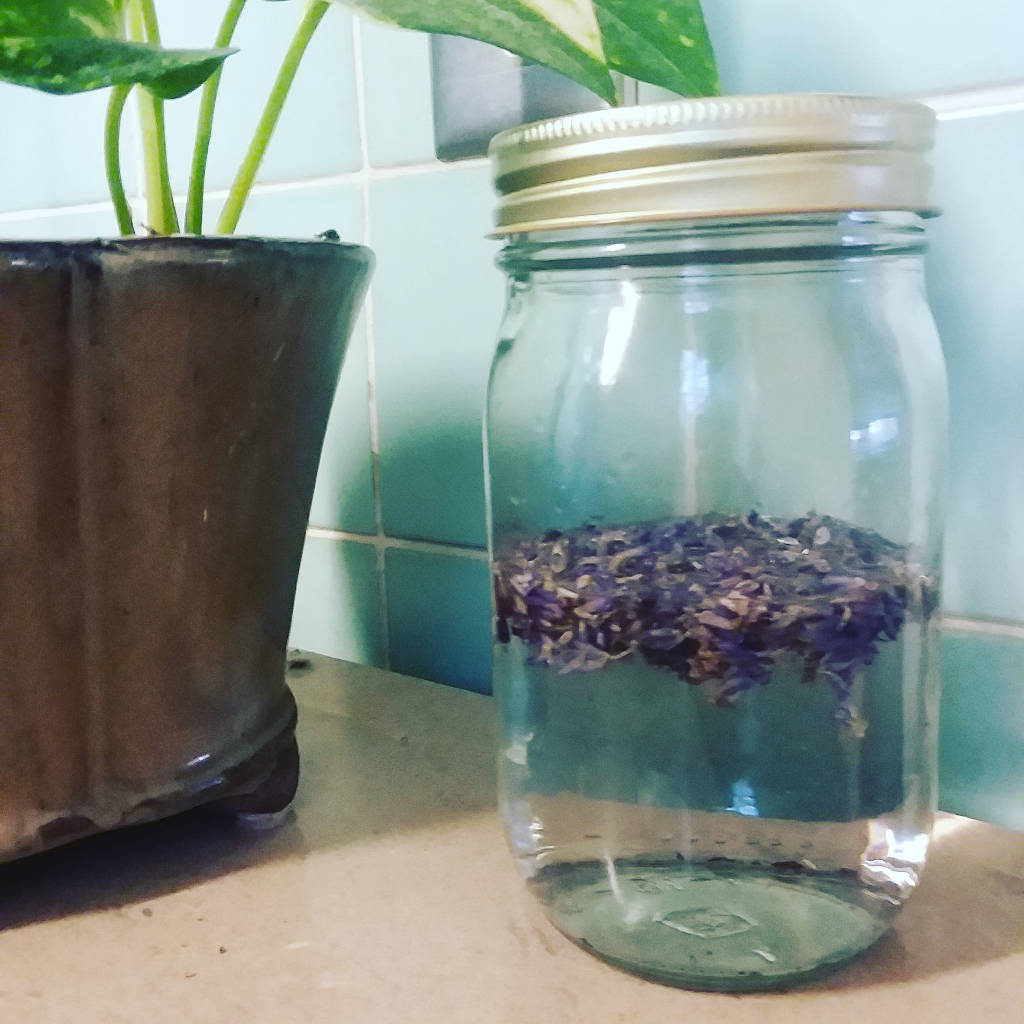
(984,100)
(371,350)
(356,177)
(365,177)
(985,627)
(949,623)
(383,542)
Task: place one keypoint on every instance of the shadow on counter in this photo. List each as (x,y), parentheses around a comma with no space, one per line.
(380,753)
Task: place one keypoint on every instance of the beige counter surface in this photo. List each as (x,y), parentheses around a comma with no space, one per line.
(388,895)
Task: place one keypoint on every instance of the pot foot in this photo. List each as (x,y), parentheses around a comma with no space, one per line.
(272,794)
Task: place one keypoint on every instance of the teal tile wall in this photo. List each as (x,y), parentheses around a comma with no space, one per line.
(396,74)
(318,134)
(57,159)
(975,270)
(436,302)
(338,606)
(69,223)
(439,617)
(981,729)
(305,209)
(874,46)
(393,572)
(344,499)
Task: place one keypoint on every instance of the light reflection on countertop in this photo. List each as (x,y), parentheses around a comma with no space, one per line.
(388,895)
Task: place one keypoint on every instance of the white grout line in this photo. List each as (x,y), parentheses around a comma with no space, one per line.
(976,113)
(360,177)
(948,623)
(14,216)
(976,101)
(1010,630)
(384,543)
(429,166)
(364,180)
(366,172)
(269,188)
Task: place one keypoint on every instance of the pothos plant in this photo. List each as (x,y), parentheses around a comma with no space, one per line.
(69,46)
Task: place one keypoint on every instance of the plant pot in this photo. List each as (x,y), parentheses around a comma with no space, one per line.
(162,412)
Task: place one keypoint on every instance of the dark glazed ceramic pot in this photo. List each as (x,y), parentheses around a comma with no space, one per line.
(163,403)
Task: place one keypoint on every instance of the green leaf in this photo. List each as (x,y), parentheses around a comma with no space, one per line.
(66,46)
(69,64)
(664,42)
(59,18)
(560,34)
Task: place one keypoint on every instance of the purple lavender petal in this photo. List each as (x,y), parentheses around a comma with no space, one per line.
(717,599)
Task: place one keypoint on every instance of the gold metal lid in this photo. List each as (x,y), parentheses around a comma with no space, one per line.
(721,156)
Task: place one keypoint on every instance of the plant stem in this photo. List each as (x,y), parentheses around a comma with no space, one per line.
(163,217)
(161,214)
(204,128)
(149,21)
(242,184)
(112,153)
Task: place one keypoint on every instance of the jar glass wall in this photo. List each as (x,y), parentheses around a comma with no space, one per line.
(715,458)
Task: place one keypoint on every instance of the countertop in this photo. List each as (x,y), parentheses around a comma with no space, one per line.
(387,894)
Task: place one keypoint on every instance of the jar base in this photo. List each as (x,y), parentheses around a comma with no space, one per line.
(720,927)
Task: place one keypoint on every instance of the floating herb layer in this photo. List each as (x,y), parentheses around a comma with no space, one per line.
(720,600)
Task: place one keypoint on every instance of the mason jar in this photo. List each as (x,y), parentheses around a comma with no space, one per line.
(715,441)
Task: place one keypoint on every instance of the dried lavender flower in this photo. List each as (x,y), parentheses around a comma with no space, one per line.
(720,600)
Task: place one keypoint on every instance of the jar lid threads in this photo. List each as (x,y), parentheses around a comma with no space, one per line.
(717,156)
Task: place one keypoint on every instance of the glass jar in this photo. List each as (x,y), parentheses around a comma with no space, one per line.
(715,444)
